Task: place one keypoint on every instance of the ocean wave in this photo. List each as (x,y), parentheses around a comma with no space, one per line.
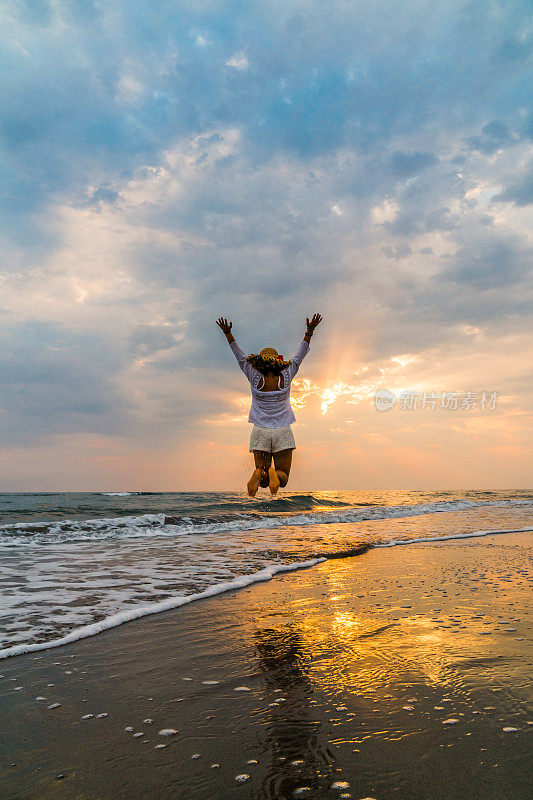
(273,505)
(131,614)
(449,537)
(297,502)
(20,533)
(118,494)
(240,581)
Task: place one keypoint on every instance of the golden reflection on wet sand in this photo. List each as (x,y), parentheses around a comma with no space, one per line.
(398,673)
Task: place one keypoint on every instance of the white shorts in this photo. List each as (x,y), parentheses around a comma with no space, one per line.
(272,440)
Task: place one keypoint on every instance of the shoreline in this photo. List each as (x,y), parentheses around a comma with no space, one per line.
(301,675)
(240,582)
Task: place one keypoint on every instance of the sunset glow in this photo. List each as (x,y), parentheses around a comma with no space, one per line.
(319,181)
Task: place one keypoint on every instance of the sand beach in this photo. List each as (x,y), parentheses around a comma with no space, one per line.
(399,673)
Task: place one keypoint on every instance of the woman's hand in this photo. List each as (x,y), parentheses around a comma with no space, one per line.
(224,325)
(316,320)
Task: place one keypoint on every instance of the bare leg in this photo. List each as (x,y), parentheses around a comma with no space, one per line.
(282,465)
(260,473)
(253,483)
(273,480)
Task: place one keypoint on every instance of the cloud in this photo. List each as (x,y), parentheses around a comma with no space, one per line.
(163,168)
(103,194)
(521,193)
(494,135)
(238,61)
(55,381)
(400,251)
(146,340)
(489,264)
(407,164)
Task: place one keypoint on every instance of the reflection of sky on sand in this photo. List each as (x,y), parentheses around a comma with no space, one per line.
(385,640)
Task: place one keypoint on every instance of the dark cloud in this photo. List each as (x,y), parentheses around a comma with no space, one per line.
(488,264)
(55,380)
(259,162)
(494,135)
(103,195)
(406,223)
(520,193)
(515,49)
(146,340)
(400,251)
(405,165)
(440,220)
(95,90)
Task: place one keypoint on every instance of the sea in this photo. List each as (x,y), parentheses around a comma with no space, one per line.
(75,564)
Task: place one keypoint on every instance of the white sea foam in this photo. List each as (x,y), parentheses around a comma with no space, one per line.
(155,608)
(66,530)
(118,494)
(215,566)
(30,533)
(429,539)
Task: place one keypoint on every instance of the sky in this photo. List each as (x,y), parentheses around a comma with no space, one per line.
(166,163)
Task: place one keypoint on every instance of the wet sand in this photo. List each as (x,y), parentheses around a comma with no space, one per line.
(394,674)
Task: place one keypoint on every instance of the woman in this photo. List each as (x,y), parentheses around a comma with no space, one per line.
(270,379)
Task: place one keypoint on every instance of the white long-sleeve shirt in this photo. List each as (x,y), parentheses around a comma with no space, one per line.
(271,409)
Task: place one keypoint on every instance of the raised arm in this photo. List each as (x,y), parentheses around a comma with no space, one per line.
(225,327)
(304,347)
(316,320)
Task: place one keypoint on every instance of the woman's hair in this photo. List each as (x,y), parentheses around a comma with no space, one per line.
(267,363)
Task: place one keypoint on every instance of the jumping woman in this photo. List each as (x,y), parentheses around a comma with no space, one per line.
(270,379)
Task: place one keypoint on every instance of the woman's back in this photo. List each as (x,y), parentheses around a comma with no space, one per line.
(271,382)
(271,407)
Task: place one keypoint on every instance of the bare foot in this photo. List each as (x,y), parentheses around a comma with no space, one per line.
(273,480)
(253,483)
